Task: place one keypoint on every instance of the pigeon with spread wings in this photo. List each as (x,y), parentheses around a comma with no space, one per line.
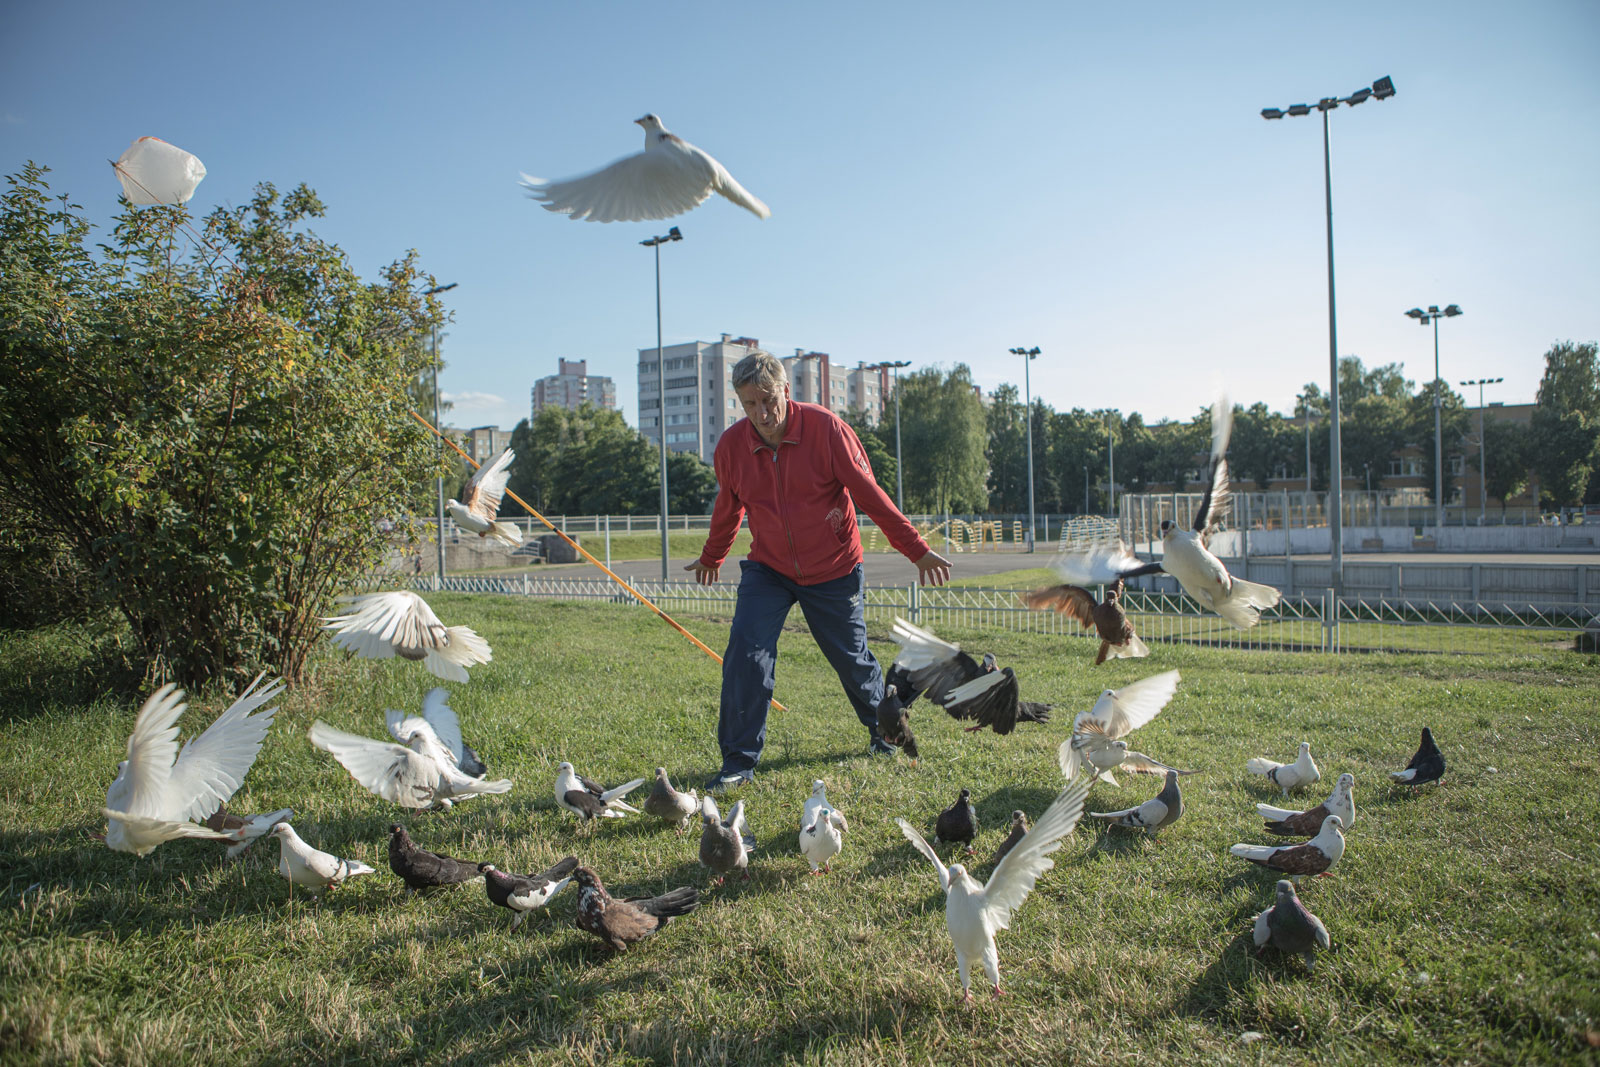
(1110,621)
(968,690)
(439,719)
(669,177)
(1097,734)
(480,501)
(974,912)
(418,774)
(1186,555)
(384,625)
(162,794)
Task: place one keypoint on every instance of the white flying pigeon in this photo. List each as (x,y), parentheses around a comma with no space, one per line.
(823,839)
(669,177)
(1289,927)
(249,828)
(1186,556)
(477,512)
(305,866)
(669,805)
(590,800)
(1316,857)
(818,799)
(1305,823)
(418,774)
(1160,810)
(154,172)
(1286,776)
(383,625)
(973,912)
(439,730)
(1097,733)
(161,794)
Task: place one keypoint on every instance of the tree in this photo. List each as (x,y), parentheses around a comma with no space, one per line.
(1453,423)
(587,461)
(943,429)
(1507,451)
(1566,423)
(878,441)
(1076,453)
(1007,451)
(217,446)
(691,484)
(1263,441)
(1375,429)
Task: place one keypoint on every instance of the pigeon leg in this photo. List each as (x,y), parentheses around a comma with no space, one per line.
(971,729)
(966,996)
(516,920)
(998,992)
(746,877)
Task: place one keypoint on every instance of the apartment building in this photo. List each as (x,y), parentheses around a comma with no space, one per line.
(571,386)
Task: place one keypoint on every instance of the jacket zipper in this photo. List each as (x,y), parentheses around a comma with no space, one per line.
(777,489)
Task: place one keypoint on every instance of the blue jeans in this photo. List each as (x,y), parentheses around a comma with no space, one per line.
(833,611)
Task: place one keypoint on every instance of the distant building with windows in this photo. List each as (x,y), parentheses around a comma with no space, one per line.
(571,386)
(480,442)
(701,404)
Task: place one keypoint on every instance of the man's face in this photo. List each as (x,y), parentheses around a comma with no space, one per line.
(767,409)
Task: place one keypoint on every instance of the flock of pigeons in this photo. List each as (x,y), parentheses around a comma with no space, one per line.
(162,794)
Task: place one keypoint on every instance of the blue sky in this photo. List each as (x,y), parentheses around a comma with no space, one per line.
(947,180)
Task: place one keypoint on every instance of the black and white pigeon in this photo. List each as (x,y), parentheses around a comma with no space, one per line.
(1426,766)
(589,800)
(419,774)
(981,693)
(1286,776)
(669,177)
(311,868)
(823,839)
(249,828)
(1019,826)
(439,718)
(1161,810)
(162,794)
(973,912)
(1316,857)
(1288,823)
(958,823)
(1289,927)
(620,923)
(724,845)
(385,625)
(1186,555)
(669,805)
(523,893)
(422,870)
(1097,734)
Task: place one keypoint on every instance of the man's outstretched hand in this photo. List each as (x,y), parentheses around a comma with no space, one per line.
(933,569)
(706,575)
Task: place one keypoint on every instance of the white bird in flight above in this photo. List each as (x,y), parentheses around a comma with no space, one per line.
(382,625)
(161,794)
(669,177)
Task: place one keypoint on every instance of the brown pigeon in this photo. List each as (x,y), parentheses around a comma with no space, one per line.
(620,923)
(1117,639)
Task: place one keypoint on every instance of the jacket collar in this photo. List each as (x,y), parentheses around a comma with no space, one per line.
(791,433)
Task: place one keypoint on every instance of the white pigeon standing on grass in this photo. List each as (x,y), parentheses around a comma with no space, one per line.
(418,774)
(1185,553)
(823,839)
(480,505)
(305,866)
(384,625)
(669,177)
(1097,734)
(1286,776)
(973,912)
(816,801)
(161,794)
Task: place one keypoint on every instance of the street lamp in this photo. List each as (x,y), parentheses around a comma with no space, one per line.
(1305,417)
(1483,459)
(1381,89)
(1028,356)
(438,441)
(1433,315)
(661,390)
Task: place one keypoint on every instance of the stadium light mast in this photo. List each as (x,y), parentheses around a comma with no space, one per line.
(661,391)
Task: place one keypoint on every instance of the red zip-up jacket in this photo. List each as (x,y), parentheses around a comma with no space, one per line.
(801,498)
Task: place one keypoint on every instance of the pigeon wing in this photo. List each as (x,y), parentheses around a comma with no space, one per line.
(393,772)
(939,679)
(1139,763)
(211,767)
(1014,877)
(141,787)
(918,647)
(1071,600)
(989,699)
(927,850)
(446,725)
(487,485)
(460,649)
(1101,564)
(379,624)
(1121,711)
(723,183)
(648,185)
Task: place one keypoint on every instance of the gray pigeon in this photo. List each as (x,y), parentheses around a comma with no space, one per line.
(1019,827)
(666,803)
(724,847)
(1288,927)
(958,822)
(1161,810)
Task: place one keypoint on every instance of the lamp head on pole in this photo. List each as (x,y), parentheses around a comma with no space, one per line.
(1452,311)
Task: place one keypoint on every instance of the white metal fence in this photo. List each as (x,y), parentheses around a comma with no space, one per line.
(1314,622)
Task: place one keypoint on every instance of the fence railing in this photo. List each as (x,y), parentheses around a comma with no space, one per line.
(1308,622)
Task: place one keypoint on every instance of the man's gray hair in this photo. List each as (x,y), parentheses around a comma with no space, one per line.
(761,369)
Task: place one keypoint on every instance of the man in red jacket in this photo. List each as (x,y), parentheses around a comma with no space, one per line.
(797,471)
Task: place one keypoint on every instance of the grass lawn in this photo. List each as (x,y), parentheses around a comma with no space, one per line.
(1465,918)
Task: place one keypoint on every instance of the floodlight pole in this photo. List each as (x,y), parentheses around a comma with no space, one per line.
(1483,455)
(1381,89)
(1433,315)
(899,467)
(1028,356)
(438,442)
(661,391)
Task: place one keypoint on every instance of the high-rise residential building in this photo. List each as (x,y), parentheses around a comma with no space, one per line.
(571,386)
(701,403)
(481,442)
